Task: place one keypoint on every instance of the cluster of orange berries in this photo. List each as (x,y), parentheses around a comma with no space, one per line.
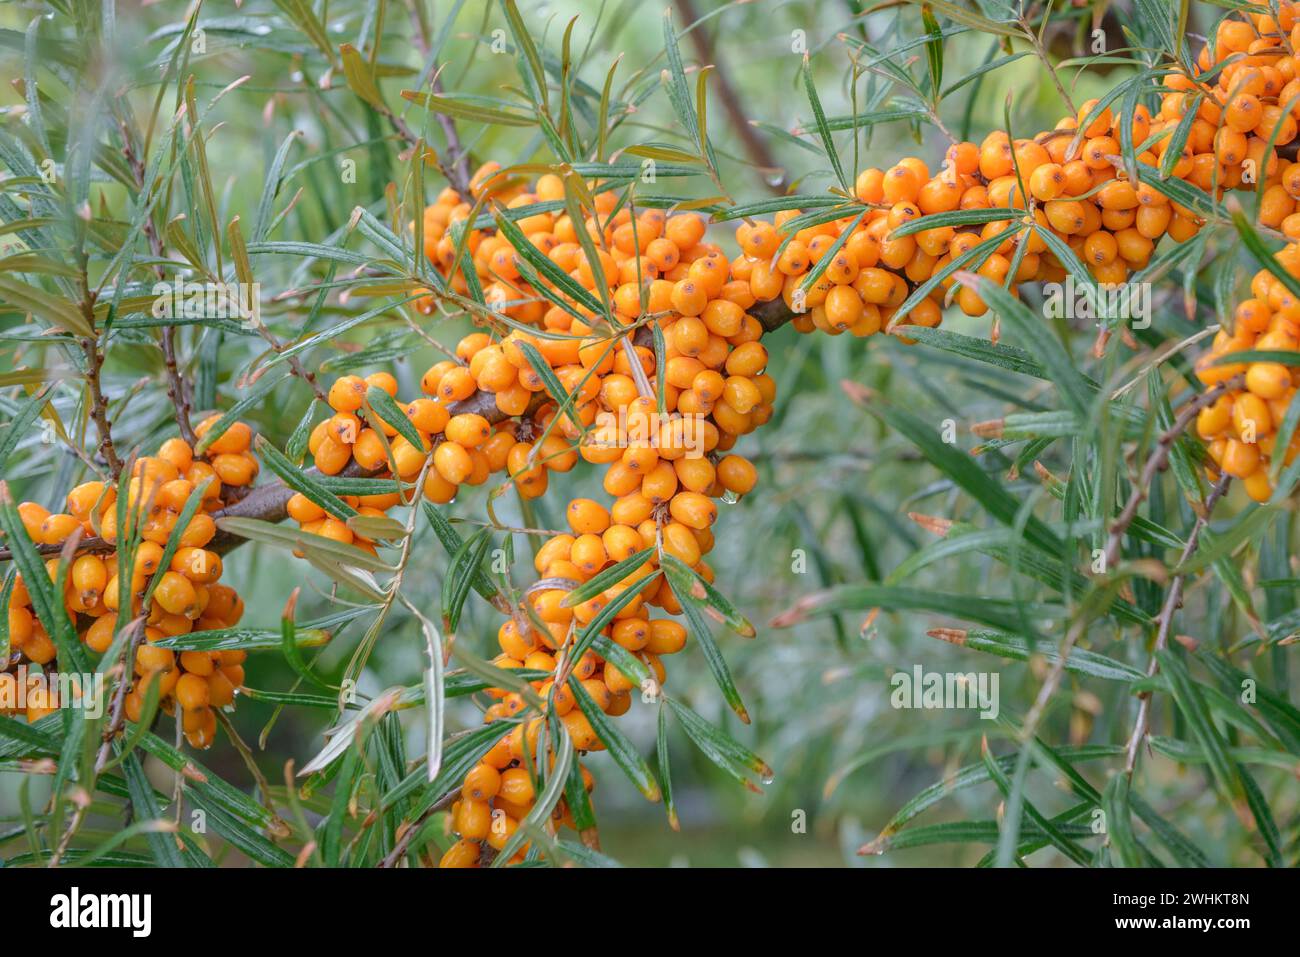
(1241,425)
(1077,188)
(714,364)
(344,439)
(1262,83)
(663,469)
(499,791)
(459,447)
(187,595)
(666,448)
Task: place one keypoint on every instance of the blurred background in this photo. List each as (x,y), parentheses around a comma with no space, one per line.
(835,489)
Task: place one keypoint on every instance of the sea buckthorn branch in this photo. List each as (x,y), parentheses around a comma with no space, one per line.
(94,365)
(1173,600)
(1231,147)
(92,544)
(413,828)
(295,364)
(1038,710)
(495,407)
(457,171)
(553,400)
(1157,461)
(269,502)
(264,502)
(887,271)
(1035,39)
(775,282)
(403,129)
(1079,626)
(178,390)
(250,762)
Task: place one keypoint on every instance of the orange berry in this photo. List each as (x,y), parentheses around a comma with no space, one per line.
(347,393)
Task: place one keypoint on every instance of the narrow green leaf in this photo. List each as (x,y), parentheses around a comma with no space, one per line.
(1119,826)
(1193,707)
(823,130)
(625,755)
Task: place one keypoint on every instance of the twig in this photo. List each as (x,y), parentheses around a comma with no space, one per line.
(404,842)
(295,364)
(1172,602)
(85,546)
(250,762)
(1035,715)
(1040,52)
(1157,461)
(1164,356)
(456,168)
(403,129)
(177,389)
(457,172)
(99,404)
(512,529)
(1153,465)
(95,363)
